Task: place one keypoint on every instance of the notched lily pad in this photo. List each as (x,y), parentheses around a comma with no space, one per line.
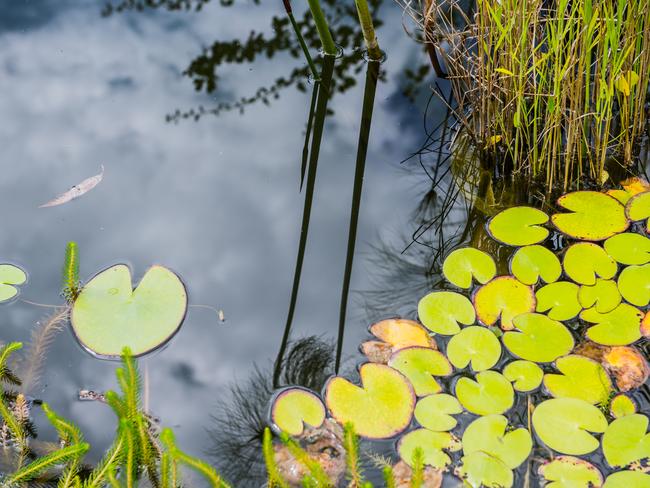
(626,440)
(581,378)
(622,405)
(593,216)
(538,338)
(619,327)
(524,375)
(294,407)
(503,299)
(531,263)
(442,311)
(584,262)
(570,472)
(467,263)
(432,444)
(604,296)
(519,226)
(634,284)
(435,412)
(476,345)
(479,469)
(629,248)
(11,276)
(393,335)
(559,300)
(638,208)
(420,365)
(491,393)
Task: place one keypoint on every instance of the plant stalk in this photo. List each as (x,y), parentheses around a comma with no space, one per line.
(323,28)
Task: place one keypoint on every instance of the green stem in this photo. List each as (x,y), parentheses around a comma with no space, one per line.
(322,27)
(368,29)
(301,40)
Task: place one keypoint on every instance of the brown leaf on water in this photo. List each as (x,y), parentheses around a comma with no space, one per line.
(76,191)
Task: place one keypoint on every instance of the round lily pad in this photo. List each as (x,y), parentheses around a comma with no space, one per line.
(531,263)
(585,261)
(539,338)
(435,412)
(488,434)
(109,315)
(503,299)
(442,311)
(604,296)
(294,407)
(628,479)
(519,226)
(524,375)
(563,424)
(559,300)
(622,405)
(401,333)
(467,263)
(627,365)
(634,284)
(593,216)
(491,393)
(629,248)
(10,276)
(475,344)
(638,208)
(626,440)
(570,472)
(581,378)
(479,469)
(432,444)
(420,365)
(382,407)
(619,327)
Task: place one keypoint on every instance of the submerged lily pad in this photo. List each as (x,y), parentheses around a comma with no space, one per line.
(585,261)
(503,299)
(539,338)
(519,226)
(570,472)
(619,327)
(382,407)
(442,311)
(294,407)
(488,434)
(475,344)
(432,444)
(10,276)
(563,424)
(524,375)
(559,299)
(634,284)
(628,479)
(626,440)
(109,315)
(467,263)
(434,412)
(491,393)
(479,469)
(420,365)
(629,248)
(593,216)
(581,378)
(531,263)
(604,296)
(638,208)
(622,405)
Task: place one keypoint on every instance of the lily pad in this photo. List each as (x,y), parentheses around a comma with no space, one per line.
(294,407)
(531,263)
(604,296)
(629,248)
(491,393)
(109,315)
(570,472)
(539,338)
(488,434)
(627,365)
(477,345)
(479,469)
(442,311)
(585,261)
(563,424)
(634,284)
(10,276)
(524,375)
(559,299)
(434,412)
(467,263)
(401,333)
(622,405)
(628,479)
(503,299)
(619,327)
(622,196)
(420,365)
(519,226)
(626,440)
(432,444)
(382,407)
(638,208)
(581,378)
(593,216)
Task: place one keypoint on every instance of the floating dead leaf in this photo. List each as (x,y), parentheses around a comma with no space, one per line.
(403,474)
(625,364)
(393,335)
(635,185)
(76,191)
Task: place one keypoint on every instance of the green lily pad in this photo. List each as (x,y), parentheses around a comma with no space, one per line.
(10,276)
(634,284)
(467,263)
(563,424)
(570,472)
(581,378)
(559,299)
(382,407)
(488,434)
(638,208)
(604,296)
(519,226)
(479,469)
(629,248)
(491,393)
(531,263)
(477,345)
(524,375)
(294,407)
(626,440)
(442,311)
(420,365)
(619,327)
(434,412)
(585,261)
(622,405)
(622,196)
(432,444)
(503,299)
(593,216)
(539,338)
(109,315)
(628,479)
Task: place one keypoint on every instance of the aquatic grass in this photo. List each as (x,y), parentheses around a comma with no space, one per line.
(70,287)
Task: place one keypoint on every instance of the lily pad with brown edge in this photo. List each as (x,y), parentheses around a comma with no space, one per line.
(581,378)
(466,264)
(592,216)
(638,208)
(570,472)
(435,412)
(634,284)
(626,440)
(619,327)
(476,345)
(538,338)
(565,425)
(524,375)
(559,300)
(479,469)
(629,248)
(490,434)
(381,408)
(621,405)
(293,408)
(490,393)
(584,262)
(420,365)
(442,311)
(395,334)
(530,263)
(627,365)
(604,296)
(635,185)
(432,444)
(503,299)
(645,325)
(627,479)
(11,276)
(519,226)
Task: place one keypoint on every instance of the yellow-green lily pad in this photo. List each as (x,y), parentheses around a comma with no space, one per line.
(524,375)
(531,263)
(627,479)
(435,412)
(634,284)
(604,296)
(559,300)
(491,393)
(629,248)
(570,472)
(442,311)
(619,327)
(581,378)
(626,440)
(638,208)
(465,264)
(622,405)
(475,344)
(432,444)
(401,333)
(10,277)
(593,216)
(479,469)
(622,196)
(294,407)
(584,262)
(420,365)
(502,299)
(519,226)
(538,338)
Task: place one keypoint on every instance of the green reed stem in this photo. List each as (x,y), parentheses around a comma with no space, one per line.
(368,29)
(322,27)
(301,40)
